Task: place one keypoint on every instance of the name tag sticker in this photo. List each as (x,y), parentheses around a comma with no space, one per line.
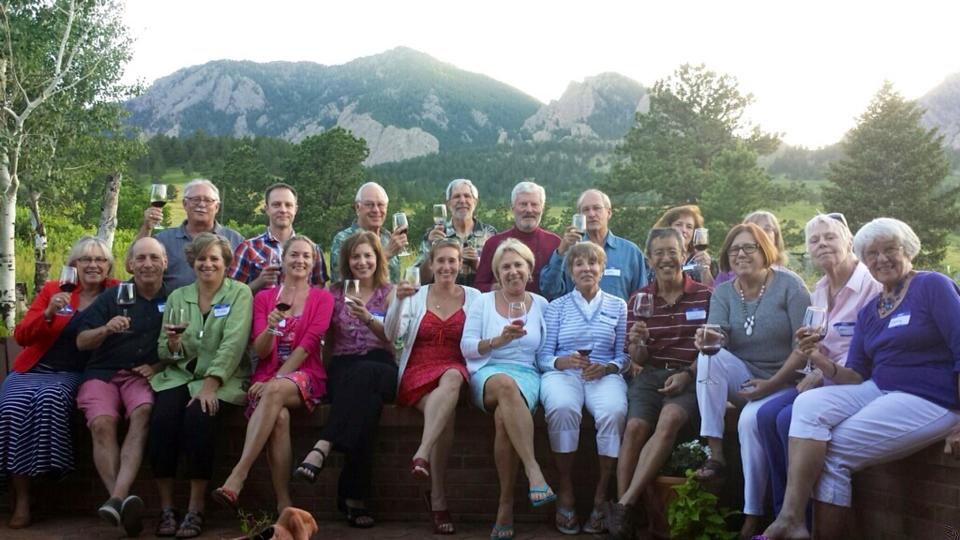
(845,329)
(221,310)
(901,319)
(696,314)
(615,272)
(161,306)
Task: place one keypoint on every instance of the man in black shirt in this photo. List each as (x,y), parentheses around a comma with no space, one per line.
(121,327)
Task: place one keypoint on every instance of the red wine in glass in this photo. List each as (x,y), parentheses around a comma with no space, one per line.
(68,287)
(710,350)
(283,306)
(584,352)
(517,322)
(158,204)
(179,328)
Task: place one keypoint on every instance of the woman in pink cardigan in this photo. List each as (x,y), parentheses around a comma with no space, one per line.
(290,372)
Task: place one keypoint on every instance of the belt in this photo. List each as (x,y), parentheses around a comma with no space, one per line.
(669,365)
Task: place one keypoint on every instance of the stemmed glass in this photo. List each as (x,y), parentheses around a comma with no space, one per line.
(177,322)
(439,214)
(68,284)
(584,344)
(517,313)
(643,307)
(126,296)
(580,223)
(701,239)
(283,306)
(815,322)
(412,276)
(710,345)
(399,225)
(158,198)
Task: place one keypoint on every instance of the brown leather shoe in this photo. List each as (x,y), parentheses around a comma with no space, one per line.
(619,521)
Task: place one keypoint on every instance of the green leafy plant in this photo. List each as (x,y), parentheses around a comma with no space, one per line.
(253,526)
(689,455)
(696,514)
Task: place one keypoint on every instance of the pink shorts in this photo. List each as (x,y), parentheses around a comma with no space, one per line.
(104,398)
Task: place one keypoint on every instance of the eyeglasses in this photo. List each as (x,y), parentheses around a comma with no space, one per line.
(748,249)
(839,217)
(888,253)
(370,205)
(666,253)
(88,260)
(200,201)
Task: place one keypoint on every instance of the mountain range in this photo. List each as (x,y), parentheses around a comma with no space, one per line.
(407,104)
(403,102)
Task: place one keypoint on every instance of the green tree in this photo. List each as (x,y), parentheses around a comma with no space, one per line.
(693,144)
(242,182)
(894,167)
(59,57)
(326,170)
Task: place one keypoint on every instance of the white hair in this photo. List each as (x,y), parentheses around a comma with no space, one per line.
(201,182)
(603,198)
(359,196)
(832,224)
(528,187)
(886,229)
(454,184)
(85,245)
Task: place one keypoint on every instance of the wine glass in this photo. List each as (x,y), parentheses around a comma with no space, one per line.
(351,287)
(439,214)
(815,322)
(177,322)
(399,225)
(517,313)
(158,198)
(126,296)
(580,223)
(412,276)
(283,305)
(710,345)
(584,345)
(643,307)
(68,284)
(701,239)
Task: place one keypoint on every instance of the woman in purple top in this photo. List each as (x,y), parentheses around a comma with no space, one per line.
(904,356)
(362,374)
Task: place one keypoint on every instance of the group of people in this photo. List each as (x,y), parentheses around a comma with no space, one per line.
(653,343)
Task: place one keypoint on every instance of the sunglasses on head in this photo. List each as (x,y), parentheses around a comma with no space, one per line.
(839,217)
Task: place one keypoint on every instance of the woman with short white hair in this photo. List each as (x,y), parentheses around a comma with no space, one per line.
(902,358)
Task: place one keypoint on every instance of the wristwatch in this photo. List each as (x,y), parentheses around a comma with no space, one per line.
(608,371)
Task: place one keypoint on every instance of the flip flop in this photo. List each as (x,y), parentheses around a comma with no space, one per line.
(541,489)
(565,520)
(498,530)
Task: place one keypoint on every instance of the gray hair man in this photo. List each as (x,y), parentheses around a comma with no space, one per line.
(371,207)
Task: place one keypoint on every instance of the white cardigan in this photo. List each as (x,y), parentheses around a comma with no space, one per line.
(405,315)
(484,322)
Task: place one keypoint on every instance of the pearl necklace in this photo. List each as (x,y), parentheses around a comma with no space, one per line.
(750,320)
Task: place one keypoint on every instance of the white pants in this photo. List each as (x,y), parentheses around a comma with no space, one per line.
(730,373)
(865,426)
(564,394)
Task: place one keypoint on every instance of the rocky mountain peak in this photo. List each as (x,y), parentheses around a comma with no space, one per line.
(943,109)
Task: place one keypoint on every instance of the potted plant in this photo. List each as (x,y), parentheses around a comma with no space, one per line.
(688,456)
(696,515)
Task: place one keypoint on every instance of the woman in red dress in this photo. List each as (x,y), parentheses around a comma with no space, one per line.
(430,323)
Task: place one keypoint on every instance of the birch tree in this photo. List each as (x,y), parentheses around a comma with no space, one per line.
(58,57)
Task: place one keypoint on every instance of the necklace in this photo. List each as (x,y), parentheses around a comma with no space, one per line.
(523,298)
(885,304)
(750,320)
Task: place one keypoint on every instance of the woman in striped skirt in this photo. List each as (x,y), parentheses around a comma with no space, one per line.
(37,397)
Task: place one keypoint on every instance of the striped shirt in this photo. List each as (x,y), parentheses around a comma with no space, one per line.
(570,326)
(673,326)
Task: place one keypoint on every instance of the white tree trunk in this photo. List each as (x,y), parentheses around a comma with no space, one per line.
(108,210)
(41,268)
(8,262)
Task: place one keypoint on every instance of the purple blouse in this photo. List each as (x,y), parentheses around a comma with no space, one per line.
(352,336)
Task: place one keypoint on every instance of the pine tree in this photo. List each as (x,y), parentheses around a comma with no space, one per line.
(895,167)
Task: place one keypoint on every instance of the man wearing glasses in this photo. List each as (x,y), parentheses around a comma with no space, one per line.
(201,201)
(371,207)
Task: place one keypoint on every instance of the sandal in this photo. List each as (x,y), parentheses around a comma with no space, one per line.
(192,525)
(442,521)
(619,524)
(597,523)
(545,500)
(420,468)
(502,532)
(711,471)
(355,515)
(308,471)
(167,524)
(227,497)
(566,521)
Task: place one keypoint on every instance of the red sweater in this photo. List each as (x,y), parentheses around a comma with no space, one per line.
(541,242)
(35,334)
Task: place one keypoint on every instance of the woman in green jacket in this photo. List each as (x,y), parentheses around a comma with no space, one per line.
(205,369)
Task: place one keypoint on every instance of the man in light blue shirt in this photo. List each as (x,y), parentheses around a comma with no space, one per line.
(626,269)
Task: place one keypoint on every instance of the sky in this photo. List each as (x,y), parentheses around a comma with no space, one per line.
(812,66)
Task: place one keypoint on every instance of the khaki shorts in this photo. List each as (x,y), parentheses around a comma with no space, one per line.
(645,402)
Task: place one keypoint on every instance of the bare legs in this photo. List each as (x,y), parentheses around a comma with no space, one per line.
(21,508)
(514,439)
(116,465)
(278,397)
(439,415)
(634,476)
(806,457)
